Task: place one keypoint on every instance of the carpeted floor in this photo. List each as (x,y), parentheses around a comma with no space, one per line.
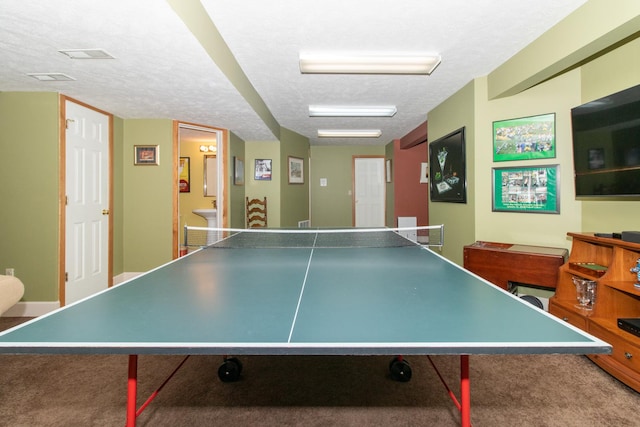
(554,390)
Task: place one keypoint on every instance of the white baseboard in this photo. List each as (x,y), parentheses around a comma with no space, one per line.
(31,308)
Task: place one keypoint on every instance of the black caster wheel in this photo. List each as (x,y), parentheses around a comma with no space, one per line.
(230,370)
(400,370)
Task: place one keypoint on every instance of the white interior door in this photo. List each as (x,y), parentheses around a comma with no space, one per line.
(87,209)
(369,191)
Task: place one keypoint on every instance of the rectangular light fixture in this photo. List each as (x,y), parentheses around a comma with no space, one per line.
(349,133)
(86,53)
(351,111)
(51,77)
(368,64)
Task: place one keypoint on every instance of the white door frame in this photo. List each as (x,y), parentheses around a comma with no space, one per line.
(62,196)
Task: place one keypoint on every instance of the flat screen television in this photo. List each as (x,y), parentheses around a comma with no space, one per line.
(606,146)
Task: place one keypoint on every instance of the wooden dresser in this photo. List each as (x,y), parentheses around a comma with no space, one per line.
(501,263)
(607,262)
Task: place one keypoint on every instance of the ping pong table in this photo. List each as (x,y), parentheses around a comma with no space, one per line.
(312,293)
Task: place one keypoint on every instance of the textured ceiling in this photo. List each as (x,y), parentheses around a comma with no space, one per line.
(160,69)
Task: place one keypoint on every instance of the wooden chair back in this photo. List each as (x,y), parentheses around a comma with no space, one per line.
(256,213)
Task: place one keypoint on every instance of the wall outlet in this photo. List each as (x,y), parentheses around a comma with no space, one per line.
(9,272)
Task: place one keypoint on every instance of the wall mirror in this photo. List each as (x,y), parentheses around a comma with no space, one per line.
(210,176)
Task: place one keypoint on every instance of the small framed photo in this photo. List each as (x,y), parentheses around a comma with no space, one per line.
(532,189)
(238,171)
(262,171)
(296,170)
(146,155)
(424,173)
(184,176)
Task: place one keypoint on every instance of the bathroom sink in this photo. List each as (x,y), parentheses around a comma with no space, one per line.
(208,214)
(212,222)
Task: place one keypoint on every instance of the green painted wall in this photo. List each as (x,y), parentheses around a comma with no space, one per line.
(142,213)
(458,218)
(263,188)
(476,108)
(332,206)
(29,191)
(294,198)
(148,196)
(236,201)
(594,27)
(557,96)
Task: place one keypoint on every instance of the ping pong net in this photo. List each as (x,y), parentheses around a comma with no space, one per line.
(198,237)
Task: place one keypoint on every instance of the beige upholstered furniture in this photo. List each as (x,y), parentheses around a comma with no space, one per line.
(11,290)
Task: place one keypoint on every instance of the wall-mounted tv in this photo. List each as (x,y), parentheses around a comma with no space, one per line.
(606,145)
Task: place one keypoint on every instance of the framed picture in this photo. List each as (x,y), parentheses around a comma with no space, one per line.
(296,170)
(424,173)
(184,178)
(146,155)
(533,189)
(388,170)
(262,170)
(238,171)
(447,165)
(525,138)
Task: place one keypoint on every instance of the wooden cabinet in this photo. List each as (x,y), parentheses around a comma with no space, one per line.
(501,263)
(607,262)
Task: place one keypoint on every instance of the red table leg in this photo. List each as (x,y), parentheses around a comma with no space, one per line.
(132,390)
(465,392)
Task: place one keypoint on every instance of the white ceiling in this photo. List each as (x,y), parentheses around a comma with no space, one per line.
(161,71)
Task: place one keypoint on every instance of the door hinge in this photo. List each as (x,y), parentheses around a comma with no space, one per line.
(66,276)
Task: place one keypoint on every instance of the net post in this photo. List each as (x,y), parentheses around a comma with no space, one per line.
(186,234)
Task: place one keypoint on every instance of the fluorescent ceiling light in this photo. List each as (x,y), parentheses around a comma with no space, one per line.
(86,53)
(51,77)
(349,133)
(352,111)
(368,64)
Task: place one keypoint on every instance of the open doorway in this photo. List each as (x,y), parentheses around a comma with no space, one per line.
(200,179)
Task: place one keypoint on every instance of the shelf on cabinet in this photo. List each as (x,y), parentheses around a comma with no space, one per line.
(608,262)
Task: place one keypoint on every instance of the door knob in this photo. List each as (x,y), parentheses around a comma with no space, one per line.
(105,211)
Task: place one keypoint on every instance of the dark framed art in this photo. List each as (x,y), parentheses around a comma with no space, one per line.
(525,138)
(447,164)
(262,171)
(533,189)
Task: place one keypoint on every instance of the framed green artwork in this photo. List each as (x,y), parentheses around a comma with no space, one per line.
(525,138)
(533,189)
